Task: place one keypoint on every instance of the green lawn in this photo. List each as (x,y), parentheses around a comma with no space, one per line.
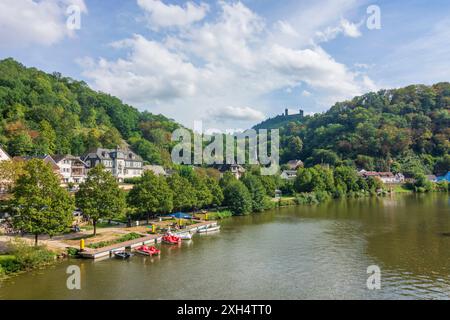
(401,189)
(6,257)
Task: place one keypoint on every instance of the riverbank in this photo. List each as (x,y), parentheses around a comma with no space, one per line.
(21,257)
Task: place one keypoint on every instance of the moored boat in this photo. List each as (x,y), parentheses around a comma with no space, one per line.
(122,255)
(209,229)
(185,236)
(171,239)
(148,251)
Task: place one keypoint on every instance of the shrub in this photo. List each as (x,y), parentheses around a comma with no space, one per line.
(286,202)
(72,252)
(306,199)
(219,215)
(442,186)
(27,257)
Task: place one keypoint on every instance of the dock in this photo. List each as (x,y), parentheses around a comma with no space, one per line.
(108,251)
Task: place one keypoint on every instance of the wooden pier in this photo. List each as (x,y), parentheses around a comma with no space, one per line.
(145,240)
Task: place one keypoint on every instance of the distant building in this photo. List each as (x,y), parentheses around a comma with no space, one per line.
(237,170)
(289,174)
(295,164)
(121,163)
(431,177)
(4,156)
(300,113)
(72,169)
(385,177)
(157,170)
(47,159)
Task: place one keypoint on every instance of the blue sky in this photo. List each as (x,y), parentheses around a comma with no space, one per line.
(230,63)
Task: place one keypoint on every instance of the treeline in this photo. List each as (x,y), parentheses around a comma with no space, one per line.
(39,205)
(44,113)
(404,130)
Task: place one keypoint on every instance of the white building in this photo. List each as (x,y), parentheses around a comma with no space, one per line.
(385,177)
(289,174)
(121,163)
(237,170)
(4,156)
(72,169)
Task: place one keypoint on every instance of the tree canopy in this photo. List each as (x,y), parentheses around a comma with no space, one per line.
(39,204)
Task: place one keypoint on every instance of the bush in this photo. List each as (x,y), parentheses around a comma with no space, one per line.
(219,215)
(322,196)
(442,186)
(269,204)
(286,202)
(27,257)
(306,199)
(72,252)
(312,198)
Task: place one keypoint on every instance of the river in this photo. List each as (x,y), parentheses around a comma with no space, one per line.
(319,252)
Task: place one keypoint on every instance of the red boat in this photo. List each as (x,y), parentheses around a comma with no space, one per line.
(169,239)
(148,251)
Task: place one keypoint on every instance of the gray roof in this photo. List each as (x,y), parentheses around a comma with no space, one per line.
(158,170)
(58,157)
(107,154)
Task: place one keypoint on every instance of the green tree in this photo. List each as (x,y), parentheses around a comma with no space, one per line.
(203,195)
(99,196)
(257,191)
(347,178)
(183,193)
(216,191)
(39,204)
(20,145)
(238,198)
(151,195)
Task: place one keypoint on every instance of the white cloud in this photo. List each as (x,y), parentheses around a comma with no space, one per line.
(286,28)
(237,113)
(160,14)
(306,93)
(230,60)
(345,27)
(31,22)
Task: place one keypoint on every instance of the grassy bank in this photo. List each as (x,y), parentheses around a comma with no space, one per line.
(23,257)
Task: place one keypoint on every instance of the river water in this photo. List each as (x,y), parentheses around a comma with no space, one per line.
(319,252)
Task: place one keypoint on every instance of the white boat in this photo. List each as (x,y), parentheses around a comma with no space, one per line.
(185,236)
(210,229)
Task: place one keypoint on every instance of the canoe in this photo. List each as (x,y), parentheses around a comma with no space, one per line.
(122,255)
(210,229)
(147,251)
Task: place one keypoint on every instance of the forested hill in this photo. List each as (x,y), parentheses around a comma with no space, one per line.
(402,129)
(44,113)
